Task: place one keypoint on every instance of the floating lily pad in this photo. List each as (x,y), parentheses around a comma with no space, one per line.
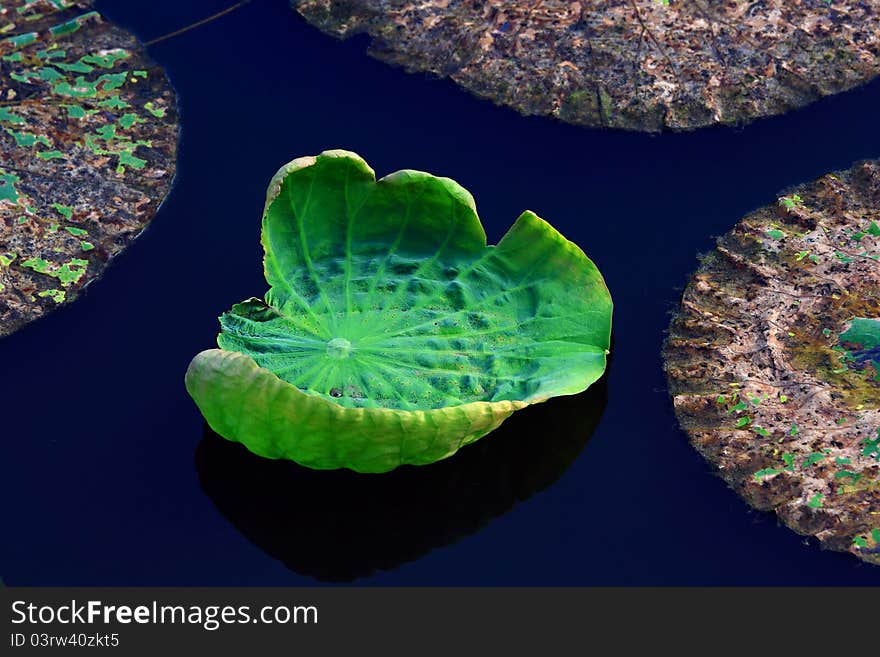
(772,359)
(392,333)
(88,135)
(632,64)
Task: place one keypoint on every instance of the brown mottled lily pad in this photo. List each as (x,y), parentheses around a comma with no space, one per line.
(773,359)
(632,64)
(88,136)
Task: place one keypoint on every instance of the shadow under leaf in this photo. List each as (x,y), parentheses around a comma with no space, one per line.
(338,525)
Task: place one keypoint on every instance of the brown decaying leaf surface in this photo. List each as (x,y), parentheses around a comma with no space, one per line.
(755,338)
(631,64)
(88,138)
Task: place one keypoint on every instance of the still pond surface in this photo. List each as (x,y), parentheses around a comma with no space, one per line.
(108,475)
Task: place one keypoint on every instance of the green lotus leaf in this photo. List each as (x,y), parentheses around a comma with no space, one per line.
(392,333)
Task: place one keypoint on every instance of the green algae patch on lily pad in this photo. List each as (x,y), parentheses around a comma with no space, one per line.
(863,340)
(392,333)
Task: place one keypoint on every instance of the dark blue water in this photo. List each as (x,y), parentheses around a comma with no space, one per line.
(107,477)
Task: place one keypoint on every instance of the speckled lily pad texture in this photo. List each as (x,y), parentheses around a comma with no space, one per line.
(631,64)
(772,359)
(88,139)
